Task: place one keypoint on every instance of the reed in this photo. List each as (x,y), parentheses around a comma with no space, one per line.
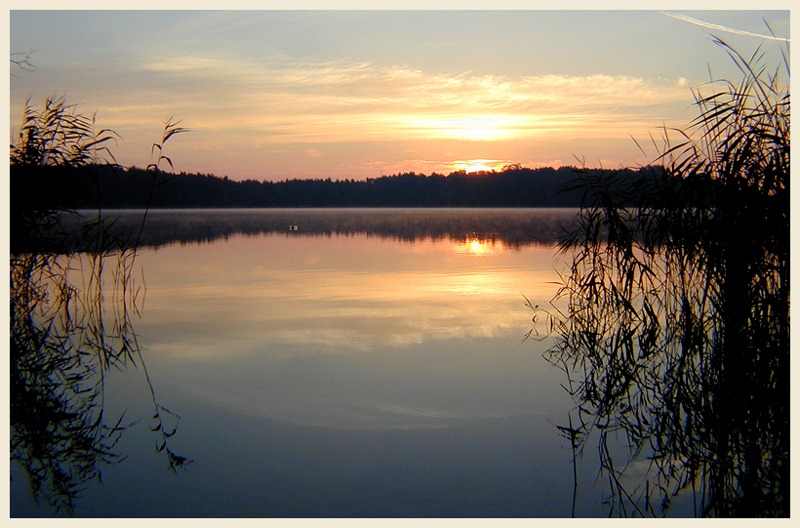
(72,316)
(673,318)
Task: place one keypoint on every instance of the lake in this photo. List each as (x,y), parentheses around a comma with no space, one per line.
(336,363)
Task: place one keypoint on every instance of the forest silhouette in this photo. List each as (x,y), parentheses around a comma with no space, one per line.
(116,187)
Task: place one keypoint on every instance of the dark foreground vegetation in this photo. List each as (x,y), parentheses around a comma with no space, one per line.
(71,317)
(672,323)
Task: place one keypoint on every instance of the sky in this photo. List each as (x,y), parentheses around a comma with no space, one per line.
(279,94)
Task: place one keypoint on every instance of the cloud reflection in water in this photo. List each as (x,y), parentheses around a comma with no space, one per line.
(349,331)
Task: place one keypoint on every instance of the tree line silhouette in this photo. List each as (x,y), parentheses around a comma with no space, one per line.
(117,187)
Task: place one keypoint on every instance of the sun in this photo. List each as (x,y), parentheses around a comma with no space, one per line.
(469,129)
(477,165)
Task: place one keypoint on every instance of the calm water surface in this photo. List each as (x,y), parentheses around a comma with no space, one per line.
(339,374)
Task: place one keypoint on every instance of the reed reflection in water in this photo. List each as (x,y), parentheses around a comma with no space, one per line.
(71,323)
(682,379)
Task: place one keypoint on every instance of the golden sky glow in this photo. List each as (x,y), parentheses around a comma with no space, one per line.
(274,95)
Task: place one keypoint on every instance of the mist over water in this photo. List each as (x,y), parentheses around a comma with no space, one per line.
(512,227)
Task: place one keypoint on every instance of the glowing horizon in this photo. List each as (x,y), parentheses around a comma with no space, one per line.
(283,94)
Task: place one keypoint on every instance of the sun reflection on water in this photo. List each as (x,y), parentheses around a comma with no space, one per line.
(479,246)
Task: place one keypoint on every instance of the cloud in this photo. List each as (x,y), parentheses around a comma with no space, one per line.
(340,101)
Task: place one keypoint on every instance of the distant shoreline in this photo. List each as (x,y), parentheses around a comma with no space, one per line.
(119,188)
